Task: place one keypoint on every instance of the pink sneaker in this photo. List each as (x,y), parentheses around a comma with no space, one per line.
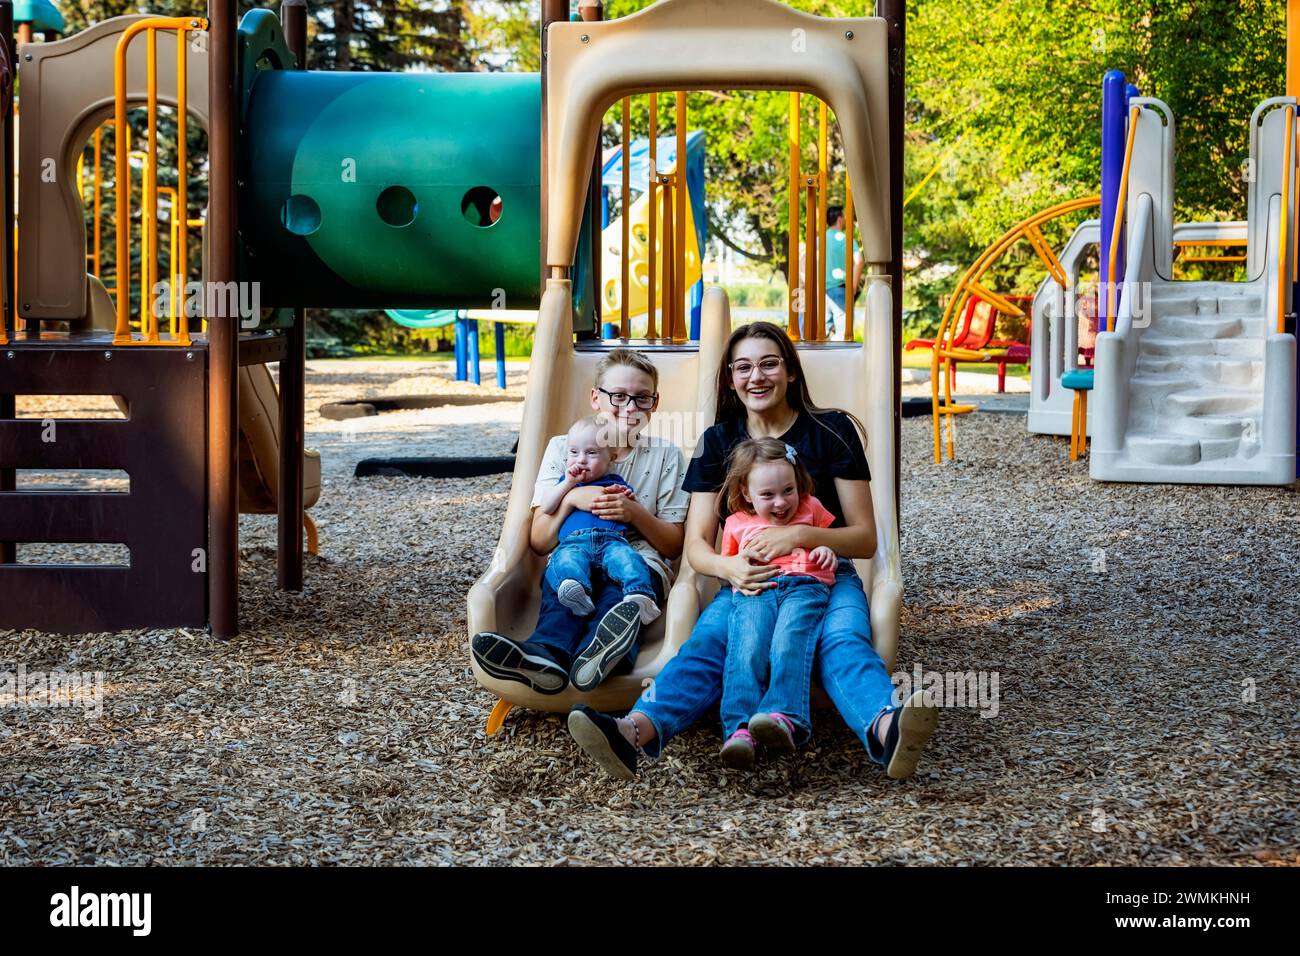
(738,752)
(774,731)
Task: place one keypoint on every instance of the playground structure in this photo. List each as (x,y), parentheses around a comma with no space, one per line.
(1194,381)
(309,212)
(648,224)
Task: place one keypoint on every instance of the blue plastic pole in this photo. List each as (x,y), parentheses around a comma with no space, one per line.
(471,330)
(499,340)
(459,339)
(1113,120)
(697,302)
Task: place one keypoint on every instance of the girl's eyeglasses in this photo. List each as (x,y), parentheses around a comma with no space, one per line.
(744,368)
(619,399)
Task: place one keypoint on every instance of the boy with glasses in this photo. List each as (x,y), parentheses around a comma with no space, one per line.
(582,649)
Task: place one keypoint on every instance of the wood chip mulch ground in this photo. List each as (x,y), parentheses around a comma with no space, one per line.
(1144,638)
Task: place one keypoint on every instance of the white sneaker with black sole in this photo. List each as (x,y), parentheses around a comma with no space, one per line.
(615,635)
(507,659)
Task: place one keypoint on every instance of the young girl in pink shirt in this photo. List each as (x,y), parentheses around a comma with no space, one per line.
(772,630)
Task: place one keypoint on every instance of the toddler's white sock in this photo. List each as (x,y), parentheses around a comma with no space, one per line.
(649,609)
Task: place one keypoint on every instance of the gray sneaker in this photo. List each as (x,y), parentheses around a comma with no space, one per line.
(615,635)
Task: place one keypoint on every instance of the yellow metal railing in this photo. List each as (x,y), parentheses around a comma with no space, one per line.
(149,216)
(1182,244)
(1119,218)
(943,355)
(667,207)
(807,297)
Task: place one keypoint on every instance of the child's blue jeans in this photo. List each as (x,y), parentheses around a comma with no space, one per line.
(576,556)
(771,638)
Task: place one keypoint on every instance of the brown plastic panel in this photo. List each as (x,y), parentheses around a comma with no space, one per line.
(162,520)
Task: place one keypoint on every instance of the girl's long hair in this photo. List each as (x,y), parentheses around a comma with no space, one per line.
(797,395)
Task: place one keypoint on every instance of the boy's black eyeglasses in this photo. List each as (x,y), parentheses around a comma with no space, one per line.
(619,399)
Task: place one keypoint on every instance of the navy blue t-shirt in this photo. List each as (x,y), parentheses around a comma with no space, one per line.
(579,519)
(827,444)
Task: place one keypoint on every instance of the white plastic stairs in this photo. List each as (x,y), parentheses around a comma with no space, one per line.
(1198,392)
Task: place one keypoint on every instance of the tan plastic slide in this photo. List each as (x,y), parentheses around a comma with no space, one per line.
(857,378)
(259,450)
(690,45)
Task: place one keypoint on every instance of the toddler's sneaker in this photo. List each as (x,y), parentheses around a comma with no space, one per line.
(738,752)
(574,596)
(774,731)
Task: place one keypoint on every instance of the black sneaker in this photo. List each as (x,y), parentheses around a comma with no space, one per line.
(599,737)
(505,659)
(908,734)
(615,635)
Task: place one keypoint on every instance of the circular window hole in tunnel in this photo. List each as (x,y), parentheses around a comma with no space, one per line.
(397,206)
(300,215)
(481,206)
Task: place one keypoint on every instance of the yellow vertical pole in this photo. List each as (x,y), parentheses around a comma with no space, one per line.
(652,184)
(1293,48)
(821,221)
(625,197)
(1282,277)
(810,331)
(792,264)
(850,287)
(181,207)
(122,186)
(149,217)
(679,237)
(670,261)
(98,181)
(169,194)
(1293,89)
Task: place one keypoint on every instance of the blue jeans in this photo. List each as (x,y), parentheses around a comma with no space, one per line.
(597,548)
(770,643)
(837,295)
(563,635)
(850,670)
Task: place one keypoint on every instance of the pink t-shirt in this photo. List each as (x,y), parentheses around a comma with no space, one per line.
(741,526)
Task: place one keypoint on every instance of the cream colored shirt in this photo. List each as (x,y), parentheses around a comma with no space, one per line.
(654,469)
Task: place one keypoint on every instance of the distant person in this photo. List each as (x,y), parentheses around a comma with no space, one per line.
(836,291)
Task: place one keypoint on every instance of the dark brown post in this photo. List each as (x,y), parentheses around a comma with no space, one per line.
(552,10)
(593,11)
(7,27)
(7,475)
(223,331)
(895,13)
(293,18)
